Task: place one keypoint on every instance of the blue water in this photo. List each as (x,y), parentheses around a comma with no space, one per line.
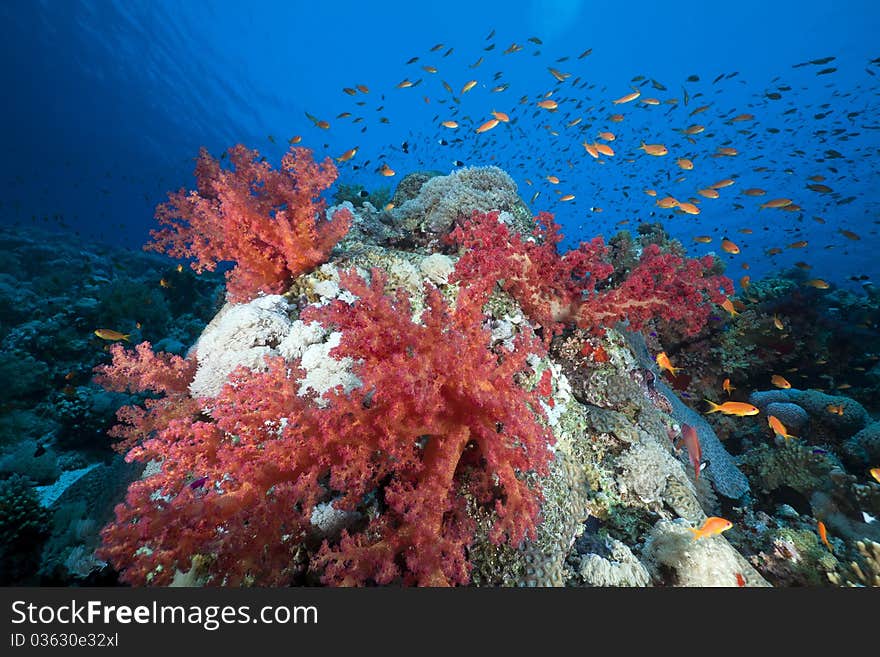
(108,102)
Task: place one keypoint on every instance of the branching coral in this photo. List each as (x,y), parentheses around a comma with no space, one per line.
(144,371)
(270,223)
(439,420)
(571,288)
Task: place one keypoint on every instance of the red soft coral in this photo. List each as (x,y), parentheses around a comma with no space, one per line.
(554,290)
(144,371)
(270,223)
(440,414)
(440,422)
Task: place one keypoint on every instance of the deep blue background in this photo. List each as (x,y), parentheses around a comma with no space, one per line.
(107,103)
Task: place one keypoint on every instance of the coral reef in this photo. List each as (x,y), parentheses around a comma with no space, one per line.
(270,223)
(24,525)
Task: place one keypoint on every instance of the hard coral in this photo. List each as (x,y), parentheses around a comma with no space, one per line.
(554,290)
(438,424)
(270,223)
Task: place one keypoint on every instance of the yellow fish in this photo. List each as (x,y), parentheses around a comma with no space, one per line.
(468,86)
(110,334)
(875,472)
(711,527)
(727,387)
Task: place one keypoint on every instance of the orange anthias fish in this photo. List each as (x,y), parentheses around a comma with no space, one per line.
(347,155)
(739,409)
(729,247)
(488,125)
(628,98)
(712,527)
(726,387)
(778,323)
(836,410)
(875,472)
(110,334)
(664,364)
(654,149)
(692,442)
(823,534)
(780,381)
(548,104)
(727,304)
(779,428)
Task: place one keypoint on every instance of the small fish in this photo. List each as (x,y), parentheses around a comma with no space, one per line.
(110,334)
(711,527)
(727,304)
(664,363)
(778,428)
(726,387)
(607,136)
(780,382)
(501,116)
(567,197)
(450,124)
(777,203)
(692,442)
(835,410)
(628,97)
(163,282)
(729,246)
(875,472)
(684,163)
(604,149)
(654,149)
(689,208)
(198,483)
(778,323)
(818,283)
(823,534)
(488,125)
(386,170)
(740,409)
(468,86)
(708,193)
(703,239)
(548,104)
(347,155)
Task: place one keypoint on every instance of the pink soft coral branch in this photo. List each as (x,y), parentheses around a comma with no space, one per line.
(270,223)
(556,290)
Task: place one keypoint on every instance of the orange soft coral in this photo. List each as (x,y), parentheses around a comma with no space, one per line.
(270,223)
